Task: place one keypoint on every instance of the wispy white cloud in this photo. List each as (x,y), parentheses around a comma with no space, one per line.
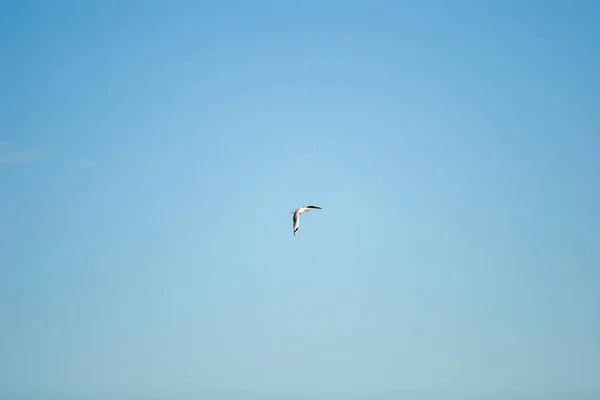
(20,157)
(85,163)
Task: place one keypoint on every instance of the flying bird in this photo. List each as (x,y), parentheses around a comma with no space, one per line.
(297,213)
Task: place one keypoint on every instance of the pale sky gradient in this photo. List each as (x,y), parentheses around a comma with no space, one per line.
(151,153)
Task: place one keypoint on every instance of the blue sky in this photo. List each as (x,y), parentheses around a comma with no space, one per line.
(151,153)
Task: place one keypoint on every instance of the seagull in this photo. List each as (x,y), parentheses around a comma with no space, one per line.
(297,213)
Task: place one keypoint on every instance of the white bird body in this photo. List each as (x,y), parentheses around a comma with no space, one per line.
(297,213)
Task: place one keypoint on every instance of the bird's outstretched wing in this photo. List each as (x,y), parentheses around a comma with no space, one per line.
(296,222)
(314,207)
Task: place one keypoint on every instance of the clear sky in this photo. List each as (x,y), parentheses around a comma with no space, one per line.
(151,153)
